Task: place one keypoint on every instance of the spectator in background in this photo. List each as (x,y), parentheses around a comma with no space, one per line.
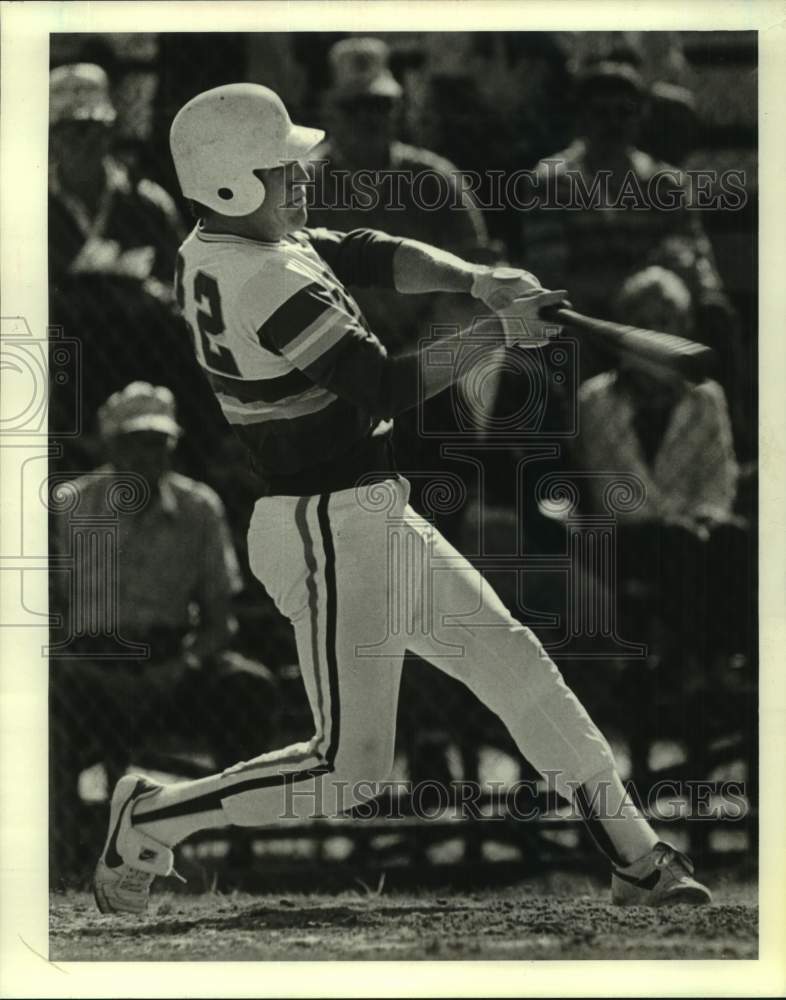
(365,178)
(716,324)
(99,220)
(670,130)
(592,247)
(168,584)
(363,108)
(676,438)
(393,184)
(112,244)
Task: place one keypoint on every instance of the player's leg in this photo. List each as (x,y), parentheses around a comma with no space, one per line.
(318,558)
(326,579)
(467,632)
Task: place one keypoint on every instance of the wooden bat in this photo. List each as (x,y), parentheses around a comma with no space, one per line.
(662,350)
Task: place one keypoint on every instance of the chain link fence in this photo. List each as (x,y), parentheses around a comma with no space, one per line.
(677,695)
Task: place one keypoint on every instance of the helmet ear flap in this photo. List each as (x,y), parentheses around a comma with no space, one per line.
(243,197)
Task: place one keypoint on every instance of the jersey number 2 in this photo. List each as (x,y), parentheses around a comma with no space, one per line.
(210,320)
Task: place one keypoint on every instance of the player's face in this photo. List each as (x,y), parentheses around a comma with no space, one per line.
(284,208)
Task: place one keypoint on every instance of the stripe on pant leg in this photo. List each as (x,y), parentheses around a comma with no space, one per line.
(309,558)
(331,605)
(331,628)
(311,588)
(596,828)
(213,800)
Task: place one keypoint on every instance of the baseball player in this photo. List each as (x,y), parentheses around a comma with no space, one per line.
(312,393)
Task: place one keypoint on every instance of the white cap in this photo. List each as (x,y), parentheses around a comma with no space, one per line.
(139,407)
(80,92)
(360,69)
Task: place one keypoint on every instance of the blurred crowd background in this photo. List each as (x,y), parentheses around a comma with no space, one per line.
(222,666)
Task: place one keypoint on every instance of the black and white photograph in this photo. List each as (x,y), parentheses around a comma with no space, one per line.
(394,430)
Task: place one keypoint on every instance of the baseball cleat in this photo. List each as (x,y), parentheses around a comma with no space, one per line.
(130,859)
(661,878)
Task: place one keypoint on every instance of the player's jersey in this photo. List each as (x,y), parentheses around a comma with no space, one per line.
(295,369)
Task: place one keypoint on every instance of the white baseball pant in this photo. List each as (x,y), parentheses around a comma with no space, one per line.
(363,578)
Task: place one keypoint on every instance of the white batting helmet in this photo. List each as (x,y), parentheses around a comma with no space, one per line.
(220,137)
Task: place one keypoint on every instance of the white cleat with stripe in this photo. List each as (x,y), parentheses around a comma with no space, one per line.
(661,878)
(130,859)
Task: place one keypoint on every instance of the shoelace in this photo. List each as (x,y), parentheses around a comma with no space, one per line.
(667,854)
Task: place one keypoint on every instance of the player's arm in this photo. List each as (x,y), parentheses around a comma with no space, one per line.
(419,268)
(332,348)
(368,258)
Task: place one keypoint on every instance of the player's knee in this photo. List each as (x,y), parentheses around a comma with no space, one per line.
(366,767)
(376,764)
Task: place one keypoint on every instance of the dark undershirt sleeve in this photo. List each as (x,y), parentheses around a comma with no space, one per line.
(362,257)
(399,388)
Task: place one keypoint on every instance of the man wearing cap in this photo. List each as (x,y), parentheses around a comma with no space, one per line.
(111,241)
(639,203)
(100,221)
(171,571)
(408,191)
(363,176)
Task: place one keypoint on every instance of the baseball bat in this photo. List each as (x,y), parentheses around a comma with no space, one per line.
(676,354)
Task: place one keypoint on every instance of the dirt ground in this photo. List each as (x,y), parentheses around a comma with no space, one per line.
(533,921)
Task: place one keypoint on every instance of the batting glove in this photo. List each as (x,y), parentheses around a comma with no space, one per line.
(521,320)
(498,287)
